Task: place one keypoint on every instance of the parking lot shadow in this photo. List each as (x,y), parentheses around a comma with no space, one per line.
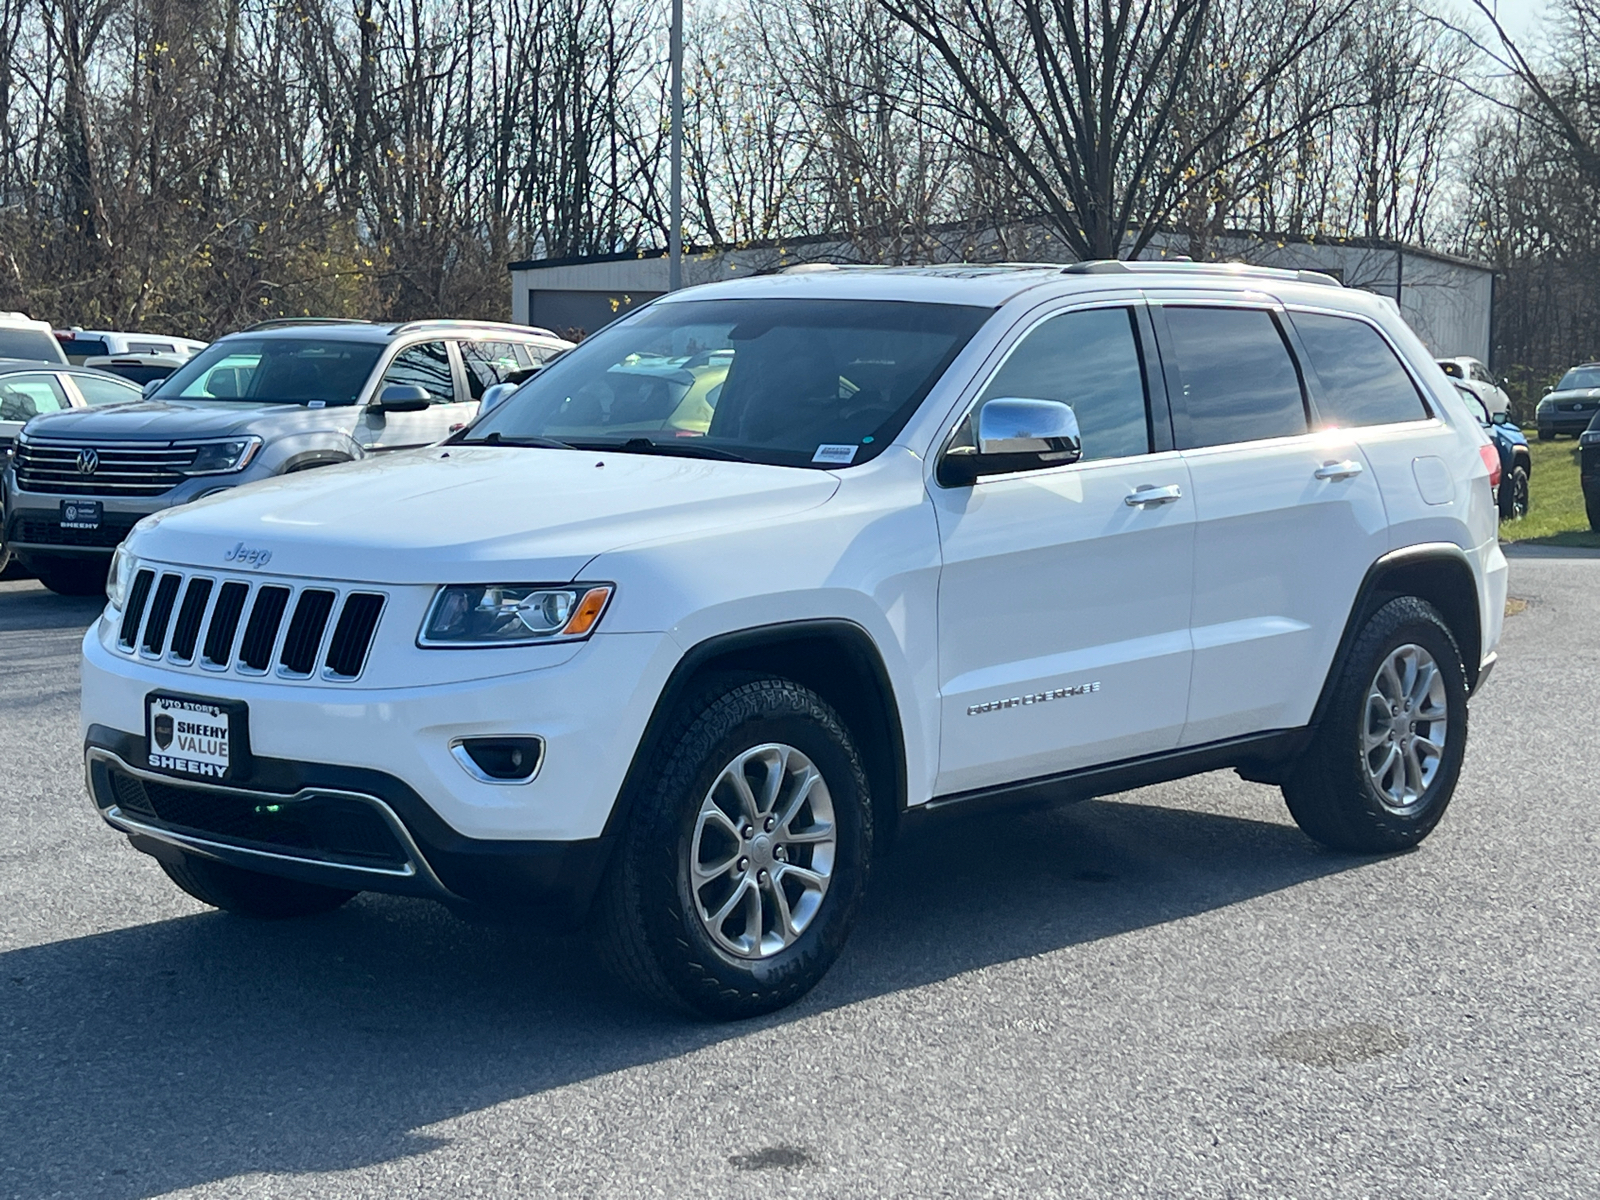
(195,1049)
(25,606)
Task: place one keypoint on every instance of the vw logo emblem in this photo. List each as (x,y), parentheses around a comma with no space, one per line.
(88,461)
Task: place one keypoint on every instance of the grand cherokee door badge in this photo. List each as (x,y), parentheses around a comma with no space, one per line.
(1060,693)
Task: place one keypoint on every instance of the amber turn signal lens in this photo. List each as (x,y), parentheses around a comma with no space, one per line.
(587,613)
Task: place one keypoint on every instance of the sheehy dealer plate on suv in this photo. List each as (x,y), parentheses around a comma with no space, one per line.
(189,736)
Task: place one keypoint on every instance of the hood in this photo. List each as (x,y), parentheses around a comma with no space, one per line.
(1570,395)
(172,420)
(471,514)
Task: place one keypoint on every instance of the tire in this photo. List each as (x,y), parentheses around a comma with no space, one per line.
(5,547)
(1514,493)
(250,893)
(1591,505)
(652,912)
(1547,435)
(71,576)
(1332,793)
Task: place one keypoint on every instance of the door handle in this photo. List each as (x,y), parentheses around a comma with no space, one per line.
(1339,470)
(1147,493)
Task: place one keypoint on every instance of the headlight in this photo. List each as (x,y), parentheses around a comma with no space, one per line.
(1589,437)
(218,458)
(120,577)
(509,614)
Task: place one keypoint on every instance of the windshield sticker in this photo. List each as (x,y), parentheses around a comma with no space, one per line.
(834,454)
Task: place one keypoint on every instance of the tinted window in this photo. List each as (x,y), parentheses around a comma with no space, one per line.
(150,348)
(1089,360)
(29,343)
(798,382)
(1362,381)
(275,371)
(1236,378)
(102,389)
(428,366)
(488,363)
(25,396)
(79,347)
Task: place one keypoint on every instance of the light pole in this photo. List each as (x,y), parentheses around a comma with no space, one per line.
(675,205)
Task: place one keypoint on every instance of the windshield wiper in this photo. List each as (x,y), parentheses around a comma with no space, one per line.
(537,443)
(684,449)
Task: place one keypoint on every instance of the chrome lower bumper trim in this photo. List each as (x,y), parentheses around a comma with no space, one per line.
(415,877)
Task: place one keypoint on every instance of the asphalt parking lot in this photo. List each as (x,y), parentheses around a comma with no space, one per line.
(1170,993)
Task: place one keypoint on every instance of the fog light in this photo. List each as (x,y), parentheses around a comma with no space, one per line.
(499,759)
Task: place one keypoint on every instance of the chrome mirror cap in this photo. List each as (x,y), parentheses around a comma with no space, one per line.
(1014,425)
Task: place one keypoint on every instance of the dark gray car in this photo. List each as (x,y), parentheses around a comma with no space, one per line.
(1571,404)
(280,397)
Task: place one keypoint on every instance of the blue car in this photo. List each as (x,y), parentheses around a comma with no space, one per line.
(1516,462)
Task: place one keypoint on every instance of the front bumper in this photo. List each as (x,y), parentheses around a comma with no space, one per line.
(33,519)
(591,705)
(1556,421)
(336,826)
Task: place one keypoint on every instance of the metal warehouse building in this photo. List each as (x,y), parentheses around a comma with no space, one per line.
(1448,300)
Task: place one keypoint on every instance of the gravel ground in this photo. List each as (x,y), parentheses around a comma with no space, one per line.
(1172,993)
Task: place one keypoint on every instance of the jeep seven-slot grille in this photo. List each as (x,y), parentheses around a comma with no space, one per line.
(249,628)
(55,469)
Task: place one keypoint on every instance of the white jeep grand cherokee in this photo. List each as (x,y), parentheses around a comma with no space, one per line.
(677,636)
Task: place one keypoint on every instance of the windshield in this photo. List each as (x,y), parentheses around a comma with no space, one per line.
(782,381)
(1579,377)
(311,371)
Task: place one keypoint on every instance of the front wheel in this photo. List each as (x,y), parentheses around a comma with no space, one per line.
(250,893)
(744,862)
(1514,493)
(1384,761)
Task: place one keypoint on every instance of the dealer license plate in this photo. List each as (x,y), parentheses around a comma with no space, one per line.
(80,514)
(189,737)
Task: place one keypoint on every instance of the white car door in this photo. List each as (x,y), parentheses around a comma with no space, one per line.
(426,365)
(1064,591)
(1287,520)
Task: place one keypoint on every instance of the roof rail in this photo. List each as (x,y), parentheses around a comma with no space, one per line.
(288,322)
(1119,266)
(457,323)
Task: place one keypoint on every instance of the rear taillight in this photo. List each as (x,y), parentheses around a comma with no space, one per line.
(1491,459)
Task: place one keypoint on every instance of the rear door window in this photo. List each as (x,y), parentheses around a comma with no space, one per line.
(103,389)
(1362,381)
(1236,380)
(23,397)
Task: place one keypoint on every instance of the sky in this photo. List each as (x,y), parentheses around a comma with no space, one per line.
(1521,18)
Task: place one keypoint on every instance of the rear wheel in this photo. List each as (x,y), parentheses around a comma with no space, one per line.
(1547,435)
(1591,504)
(250,893)
(1514,492)
(743,864)
(1385,759)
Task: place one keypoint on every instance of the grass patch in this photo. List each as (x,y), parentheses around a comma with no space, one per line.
(1556,515)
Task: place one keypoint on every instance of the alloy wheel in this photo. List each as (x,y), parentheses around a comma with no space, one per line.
(1404,727)
(763,851)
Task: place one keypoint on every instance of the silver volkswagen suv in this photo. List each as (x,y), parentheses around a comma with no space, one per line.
(282,396)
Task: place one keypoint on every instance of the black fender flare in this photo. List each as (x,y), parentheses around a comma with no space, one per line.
(747,648)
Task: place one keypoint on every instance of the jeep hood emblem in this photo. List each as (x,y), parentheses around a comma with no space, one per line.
(248,557)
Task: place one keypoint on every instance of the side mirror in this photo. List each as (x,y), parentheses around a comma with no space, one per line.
(493,395)
(1015,434)
(402,397)
(149,389)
